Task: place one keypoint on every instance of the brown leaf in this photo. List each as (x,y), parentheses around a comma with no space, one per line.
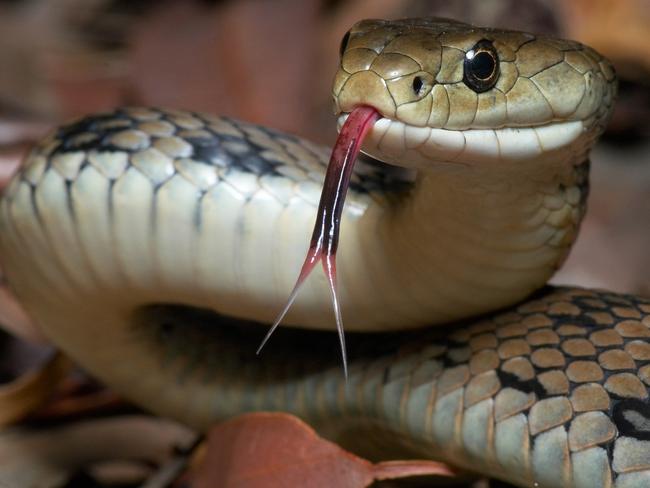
(77,400)
(23,395)
(269,450)
(42,457)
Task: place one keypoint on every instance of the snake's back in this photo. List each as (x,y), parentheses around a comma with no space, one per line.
(553,391)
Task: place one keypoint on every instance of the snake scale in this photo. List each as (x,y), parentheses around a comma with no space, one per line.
(151,245)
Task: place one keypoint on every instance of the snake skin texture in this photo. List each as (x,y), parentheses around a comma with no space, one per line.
(541,79)
(553,391)
(184,140)
(141,239)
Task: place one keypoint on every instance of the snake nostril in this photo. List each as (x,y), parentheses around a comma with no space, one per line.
(418,84)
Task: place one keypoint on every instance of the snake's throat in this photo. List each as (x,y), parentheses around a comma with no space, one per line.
(325,236)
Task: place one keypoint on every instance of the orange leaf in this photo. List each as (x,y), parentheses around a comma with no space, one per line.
(277,450)
(25,394)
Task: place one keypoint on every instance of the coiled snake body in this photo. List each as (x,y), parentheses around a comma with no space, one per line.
(131,236)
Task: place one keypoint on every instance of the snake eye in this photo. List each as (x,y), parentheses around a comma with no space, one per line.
(481,66)
(344,43)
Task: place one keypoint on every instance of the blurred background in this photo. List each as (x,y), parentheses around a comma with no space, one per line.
(272,61)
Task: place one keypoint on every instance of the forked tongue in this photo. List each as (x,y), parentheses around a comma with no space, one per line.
(325,237)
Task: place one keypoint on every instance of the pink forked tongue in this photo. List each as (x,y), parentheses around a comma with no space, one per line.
(325,237)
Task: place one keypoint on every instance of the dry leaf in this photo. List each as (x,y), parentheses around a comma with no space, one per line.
(47,457)
(25,394)
(277,450)
(76,400)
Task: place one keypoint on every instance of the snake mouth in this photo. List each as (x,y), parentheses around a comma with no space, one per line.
(401,144)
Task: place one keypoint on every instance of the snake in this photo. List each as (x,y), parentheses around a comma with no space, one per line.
(155,247)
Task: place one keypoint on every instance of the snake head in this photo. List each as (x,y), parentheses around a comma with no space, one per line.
(451,92)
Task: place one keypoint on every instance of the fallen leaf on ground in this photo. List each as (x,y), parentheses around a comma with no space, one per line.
(48,457)
(273,450)
(78,399)
(23,395)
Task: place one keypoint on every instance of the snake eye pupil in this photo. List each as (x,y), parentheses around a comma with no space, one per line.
(417,84)
(481,67)
(344,43)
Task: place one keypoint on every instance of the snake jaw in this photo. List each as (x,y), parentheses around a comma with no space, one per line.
(325,236)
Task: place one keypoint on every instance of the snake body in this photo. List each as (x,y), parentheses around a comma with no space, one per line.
(148,243)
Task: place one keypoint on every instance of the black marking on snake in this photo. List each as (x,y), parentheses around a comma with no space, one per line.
(84,164)
(198,210)
(110,200)
(580,320)
(510,380)
(208,150)
(255,164)
(624,300)
(587,306)
(34,204)
(89,124)
(69,200)
(369,175)
(158,185)
(632,418)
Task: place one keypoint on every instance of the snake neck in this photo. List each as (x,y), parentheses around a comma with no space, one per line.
(487,240)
